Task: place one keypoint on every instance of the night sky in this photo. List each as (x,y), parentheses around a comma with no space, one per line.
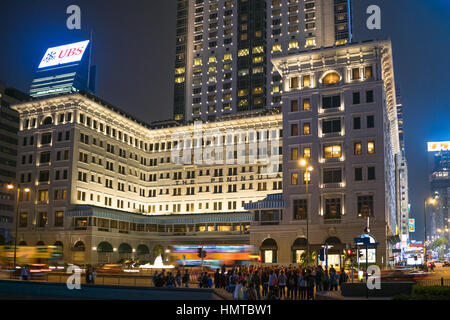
(134,50)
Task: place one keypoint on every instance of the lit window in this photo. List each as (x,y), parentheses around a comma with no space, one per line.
(276,89)
(180,70)
(294,178)
(294,154)
(331,78)
(179,79)
(258,49)
(310,42)
(368,72)
(306,104)
(227,56)
(227,66)
(357,148)
(197,62)
(294,82)
(306,128)
(307,152)
(355,74)
(257,70)
(243,52)
(276,48)
(258,59)
(212,69)
(307,81)
(293,45)
(332,151)
(243,103)
(258,90)
(371,147)
(212,59)
(242,92)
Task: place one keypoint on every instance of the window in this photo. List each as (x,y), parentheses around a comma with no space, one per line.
(294,129)
(368,72)
(355,74)
(46,138)
(294,178)
(356,98)
(333,175)
(306,104)
(23,219)
(356,123)
(331,126)
(307,152)
(371,147)
(370,121)
(294,105)
(371,173)
(43,195)
(294,82)
(42,219)
(294,154)
(331,78)
(45,157)
(307,81)
(369,96)
(331,102)
(306,128)
(358,174)
(300,209)
(44,176)
(332,208)
(59,218)
(365,206)
(334,151)
(357,148)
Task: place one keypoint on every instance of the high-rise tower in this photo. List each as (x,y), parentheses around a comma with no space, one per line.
(224,50)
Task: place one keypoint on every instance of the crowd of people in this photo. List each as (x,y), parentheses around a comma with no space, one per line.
(260,283)
(273,283)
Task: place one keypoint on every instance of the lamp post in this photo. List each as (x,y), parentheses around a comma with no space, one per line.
(16,218)
(431,201)
(307,178)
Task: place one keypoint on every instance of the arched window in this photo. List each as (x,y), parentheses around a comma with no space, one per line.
(125,248)
(40,243)
(299,247)
(331,78)
(104,247)
(58,244)
(47,121)
(79,246)
(142,249)
(269,250)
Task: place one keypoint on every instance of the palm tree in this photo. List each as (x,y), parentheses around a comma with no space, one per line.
(304,258)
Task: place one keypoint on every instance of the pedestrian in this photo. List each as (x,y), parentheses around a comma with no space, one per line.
(302,285)
(326,280)
(155,279)
(265,283)
(24,273)
(310,283)
(178,279)
(93,275)
(334,278)
(256,281)
(319,276)
(236,290)
(282,280)
(343,278)
(186,279)
(88,274)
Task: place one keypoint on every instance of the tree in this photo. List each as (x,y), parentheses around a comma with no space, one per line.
(440,245)
(304,258)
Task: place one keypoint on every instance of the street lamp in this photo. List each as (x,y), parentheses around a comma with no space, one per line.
(16,217)
(431,201)
(307,178)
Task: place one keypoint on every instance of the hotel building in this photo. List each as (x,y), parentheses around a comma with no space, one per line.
(224,50)
(339,114)
(105,185)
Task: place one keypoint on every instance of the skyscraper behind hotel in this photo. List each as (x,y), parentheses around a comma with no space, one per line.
(224,50)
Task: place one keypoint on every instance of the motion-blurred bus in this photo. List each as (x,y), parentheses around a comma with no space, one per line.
(216,255)
(49,255)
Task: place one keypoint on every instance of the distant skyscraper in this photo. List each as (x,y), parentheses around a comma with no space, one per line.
(64,69)
(224,50)
(9,126)
(439,173)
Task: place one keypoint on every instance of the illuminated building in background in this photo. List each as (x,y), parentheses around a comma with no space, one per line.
(64,69)
(439,175)
(402,178)
(9,127)
(224,50)
(342,120)
(100,178)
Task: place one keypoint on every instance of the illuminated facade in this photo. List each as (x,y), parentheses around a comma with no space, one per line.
(340,116)
(81,154)
(439,168)
(224,50)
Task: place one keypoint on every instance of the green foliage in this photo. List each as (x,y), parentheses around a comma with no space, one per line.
(439,242)
(304,258)
(426,293)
